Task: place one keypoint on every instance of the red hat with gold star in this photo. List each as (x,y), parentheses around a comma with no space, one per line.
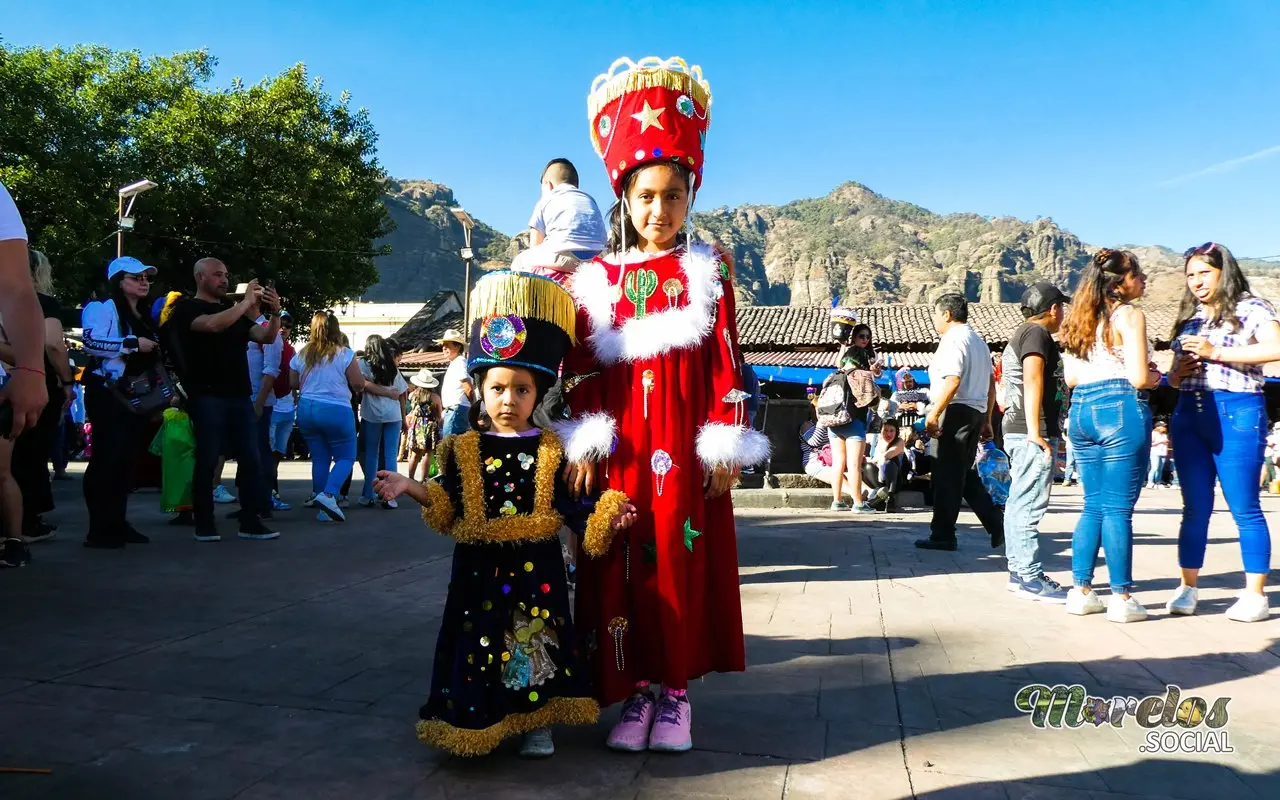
(649,111)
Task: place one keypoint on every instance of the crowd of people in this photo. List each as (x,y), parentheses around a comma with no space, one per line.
(600,387)
(1080,369)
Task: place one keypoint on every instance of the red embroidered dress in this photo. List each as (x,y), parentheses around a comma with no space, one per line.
(658,364)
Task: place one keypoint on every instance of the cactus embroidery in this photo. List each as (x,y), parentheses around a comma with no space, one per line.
(639,286)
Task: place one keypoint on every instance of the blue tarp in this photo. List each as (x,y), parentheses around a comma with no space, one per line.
(814,376)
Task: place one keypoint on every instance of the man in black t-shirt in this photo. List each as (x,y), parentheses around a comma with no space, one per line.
(1032,400)
(212,332)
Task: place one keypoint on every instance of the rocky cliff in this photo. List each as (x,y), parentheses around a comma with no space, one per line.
(865,248)
(425,244)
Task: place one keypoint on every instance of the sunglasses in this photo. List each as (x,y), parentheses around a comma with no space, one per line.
(1208,248)
(139,276)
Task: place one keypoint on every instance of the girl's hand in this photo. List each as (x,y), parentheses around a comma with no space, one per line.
(390,485)
(1184,366)
(719,480)
(1198,346)
(580,477)
(625,519)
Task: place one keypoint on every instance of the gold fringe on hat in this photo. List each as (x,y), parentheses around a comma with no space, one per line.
(527,296)
(626,76)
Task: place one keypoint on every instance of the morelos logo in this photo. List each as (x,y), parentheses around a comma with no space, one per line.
(1071,707)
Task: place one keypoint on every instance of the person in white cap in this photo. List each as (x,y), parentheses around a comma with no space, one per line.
(121,338)
(455,392)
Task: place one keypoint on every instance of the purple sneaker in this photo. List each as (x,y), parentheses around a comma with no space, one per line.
(631,734)
(671,730)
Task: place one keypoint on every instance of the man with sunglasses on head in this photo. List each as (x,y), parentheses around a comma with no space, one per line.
(214,332)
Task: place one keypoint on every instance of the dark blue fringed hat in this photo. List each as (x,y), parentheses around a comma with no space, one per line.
(519,320)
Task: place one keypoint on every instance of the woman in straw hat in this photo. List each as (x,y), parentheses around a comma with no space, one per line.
(424,421)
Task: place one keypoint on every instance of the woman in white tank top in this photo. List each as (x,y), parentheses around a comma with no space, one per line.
(1108,362)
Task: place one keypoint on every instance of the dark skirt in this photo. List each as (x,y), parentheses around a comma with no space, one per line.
(507,660)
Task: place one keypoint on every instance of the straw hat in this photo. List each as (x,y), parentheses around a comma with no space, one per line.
(452,335)
(425,379)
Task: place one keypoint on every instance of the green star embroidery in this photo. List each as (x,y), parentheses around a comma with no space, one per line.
(650,552)
(724,270)
(690,534)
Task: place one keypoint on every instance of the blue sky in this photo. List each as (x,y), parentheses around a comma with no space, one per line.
(1127,122)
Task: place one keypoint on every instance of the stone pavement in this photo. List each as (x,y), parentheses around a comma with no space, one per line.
(294,669)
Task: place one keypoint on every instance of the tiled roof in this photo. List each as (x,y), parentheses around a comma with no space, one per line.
(826,359)
(899,326)
(442,311)
(423,358)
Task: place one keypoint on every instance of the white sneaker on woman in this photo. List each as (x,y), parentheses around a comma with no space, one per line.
(1249,607)
(1125,609)
(1183,601)
(1081,603)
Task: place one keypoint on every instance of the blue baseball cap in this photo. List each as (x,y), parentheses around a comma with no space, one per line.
(128,265)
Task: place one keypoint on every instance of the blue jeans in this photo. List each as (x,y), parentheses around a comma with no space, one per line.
(1221,435)
(456,420)
(1031,471)
(1111,435)
(281,430)
(330,431)
(388,435)
(1157,469)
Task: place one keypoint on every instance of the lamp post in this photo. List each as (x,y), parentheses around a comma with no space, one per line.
(124,222)
(468,254)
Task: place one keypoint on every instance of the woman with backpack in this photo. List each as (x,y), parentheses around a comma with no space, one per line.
(843,402)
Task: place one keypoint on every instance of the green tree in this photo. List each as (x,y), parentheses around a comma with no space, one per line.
(277,179)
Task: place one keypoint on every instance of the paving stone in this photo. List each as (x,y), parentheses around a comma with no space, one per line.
(296,668)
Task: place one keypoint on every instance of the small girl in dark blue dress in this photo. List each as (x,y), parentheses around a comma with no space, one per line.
(507,660)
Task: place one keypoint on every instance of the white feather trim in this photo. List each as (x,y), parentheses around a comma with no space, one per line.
(721,445)
(588,437)
(656,332)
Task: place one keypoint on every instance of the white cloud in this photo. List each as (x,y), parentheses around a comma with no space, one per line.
(1224,166)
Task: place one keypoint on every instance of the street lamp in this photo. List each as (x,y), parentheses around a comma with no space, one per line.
(124,220)
(464,219)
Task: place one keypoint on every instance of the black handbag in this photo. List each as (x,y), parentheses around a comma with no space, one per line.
(146,393)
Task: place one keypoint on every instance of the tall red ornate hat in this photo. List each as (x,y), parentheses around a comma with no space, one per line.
(647,111)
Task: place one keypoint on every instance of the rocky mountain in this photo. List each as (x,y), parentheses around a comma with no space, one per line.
(425,244)
(865,248)
(853,244)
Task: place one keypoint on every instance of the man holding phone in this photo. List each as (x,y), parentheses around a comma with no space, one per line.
(214,332)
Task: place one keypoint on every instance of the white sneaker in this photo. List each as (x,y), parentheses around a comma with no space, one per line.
(391,504)
(1249,607)
(1079,603)
(367,502)
(1120,609)
(344,502)
(221,496)
(1183,601)
(329,505)
(311,501)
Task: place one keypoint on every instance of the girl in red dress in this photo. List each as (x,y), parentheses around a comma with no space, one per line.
(656,407)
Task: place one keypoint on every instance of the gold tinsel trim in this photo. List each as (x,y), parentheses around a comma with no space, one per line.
(467,742)
(475,528)
(530,297)
(438,512)
(599,532)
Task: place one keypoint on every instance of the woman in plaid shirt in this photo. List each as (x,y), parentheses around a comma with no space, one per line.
(1222,338)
